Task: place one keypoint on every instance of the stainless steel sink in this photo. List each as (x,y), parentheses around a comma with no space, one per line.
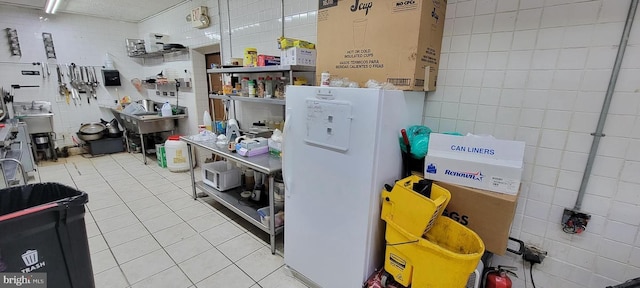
(37,115)
(146,123)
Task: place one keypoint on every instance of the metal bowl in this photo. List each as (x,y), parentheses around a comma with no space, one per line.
(89,137)
(92,128)
(41,139)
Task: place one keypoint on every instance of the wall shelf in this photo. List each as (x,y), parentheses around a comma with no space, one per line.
(263,69)
(158,57)
(158,53)
(284,70)
(273,101)
(185,84)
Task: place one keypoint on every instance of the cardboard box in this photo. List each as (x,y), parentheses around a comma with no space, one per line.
(481,162)
(489,214)
(268,60)
(389,41)
(298,56)
(284,43)
(161,155)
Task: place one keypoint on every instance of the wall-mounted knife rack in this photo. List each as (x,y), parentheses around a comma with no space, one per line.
(14,43)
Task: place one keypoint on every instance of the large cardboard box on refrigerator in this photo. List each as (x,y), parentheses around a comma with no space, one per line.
(481,162)
(394,41)
(487,213)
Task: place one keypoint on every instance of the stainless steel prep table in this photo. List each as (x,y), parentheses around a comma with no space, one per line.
(266,163)
(12,159)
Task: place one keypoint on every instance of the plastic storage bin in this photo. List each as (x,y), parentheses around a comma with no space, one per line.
(43,231)
(265,216)
(106,146)
(444,257)
(176,154)
(221,175)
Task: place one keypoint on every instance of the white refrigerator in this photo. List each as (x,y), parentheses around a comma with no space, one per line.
(341,147)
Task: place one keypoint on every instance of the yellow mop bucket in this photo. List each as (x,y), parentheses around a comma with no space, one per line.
(412,211)
(442,257)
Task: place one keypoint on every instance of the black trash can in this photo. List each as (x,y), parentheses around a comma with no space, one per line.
(42,230)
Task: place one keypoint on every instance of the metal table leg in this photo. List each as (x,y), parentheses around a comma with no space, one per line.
(126,139)
(34,151)
(272,219)
(193,178)
(52,146)
(144,154)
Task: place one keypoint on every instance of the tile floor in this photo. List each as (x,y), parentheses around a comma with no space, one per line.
(145,230)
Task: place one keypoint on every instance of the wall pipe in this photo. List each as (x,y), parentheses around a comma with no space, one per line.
(607,102)
(220,30)
(229,22)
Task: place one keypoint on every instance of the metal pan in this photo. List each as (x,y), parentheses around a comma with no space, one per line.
(92,128)
(89,137)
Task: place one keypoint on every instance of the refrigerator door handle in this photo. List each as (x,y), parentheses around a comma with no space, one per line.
(286,177)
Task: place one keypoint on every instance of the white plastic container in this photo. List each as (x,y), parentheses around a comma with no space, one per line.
(265,216)
(166,109)
(206,120)
(221,176)
(324,79)
(176,153)
(108,62)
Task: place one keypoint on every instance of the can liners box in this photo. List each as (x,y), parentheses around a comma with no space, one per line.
(487,213)
(398,42)
(481,162)
(43,231)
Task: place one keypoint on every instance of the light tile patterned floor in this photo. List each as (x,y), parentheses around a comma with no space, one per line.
(145,230)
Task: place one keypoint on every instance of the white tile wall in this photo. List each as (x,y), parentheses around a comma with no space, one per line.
(85,40)
(251,25)
(77,39)
(173,24)
(478,42)
(545,67)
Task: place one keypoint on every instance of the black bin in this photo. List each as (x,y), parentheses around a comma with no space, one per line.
(42,230)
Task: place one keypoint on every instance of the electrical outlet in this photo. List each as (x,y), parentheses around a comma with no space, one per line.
(574,221)
(533,254)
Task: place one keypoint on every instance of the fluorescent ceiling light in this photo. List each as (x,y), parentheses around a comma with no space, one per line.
(49,6)
(55,6)
(52,6)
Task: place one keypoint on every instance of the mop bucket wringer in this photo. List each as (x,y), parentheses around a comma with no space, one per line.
(422,249)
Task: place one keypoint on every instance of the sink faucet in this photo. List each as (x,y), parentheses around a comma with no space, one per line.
(33,105)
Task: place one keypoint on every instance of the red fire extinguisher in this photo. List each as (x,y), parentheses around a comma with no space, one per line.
(499,277)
